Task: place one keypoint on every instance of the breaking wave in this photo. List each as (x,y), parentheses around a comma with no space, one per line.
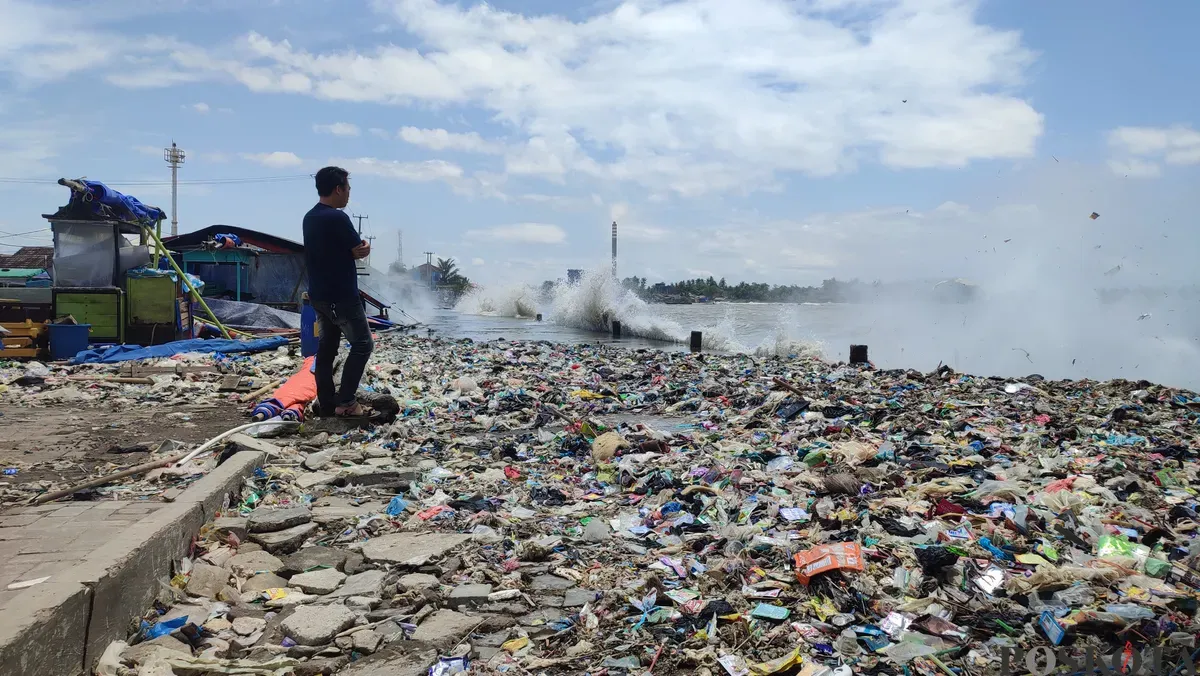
(597,300)
(514,301)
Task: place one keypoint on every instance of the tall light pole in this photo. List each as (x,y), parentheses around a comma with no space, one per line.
(614,255)
(174,157)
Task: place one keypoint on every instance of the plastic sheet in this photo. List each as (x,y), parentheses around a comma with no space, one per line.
(120,353)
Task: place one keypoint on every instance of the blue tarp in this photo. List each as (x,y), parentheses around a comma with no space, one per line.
(124,206)
(119,353)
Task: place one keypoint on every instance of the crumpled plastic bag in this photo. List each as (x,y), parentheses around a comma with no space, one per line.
(605,447)
(854,453)
(1046,577)
(110,661)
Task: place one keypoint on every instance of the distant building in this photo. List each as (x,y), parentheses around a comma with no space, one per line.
(427,274)
(29,257)
(265,269)
(574,276)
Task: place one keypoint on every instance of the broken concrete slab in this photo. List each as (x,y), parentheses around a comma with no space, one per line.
(367,583)
(541,616)
(254,562)
(265,520)
(393,663)
(445,628)
(284,541)
(309,558)
(231,525)
(377,477)
(206,580)
(418,581)
(469,595)
(162,647)
(318,460)
(411,549)
(310,479)
(245,626)
(576,598)
(319,581)
(317,625)
(544,583)
(263,582)
(366,641)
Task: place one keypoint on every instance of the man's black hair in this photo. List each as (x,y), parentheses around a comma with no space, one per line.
(330,179)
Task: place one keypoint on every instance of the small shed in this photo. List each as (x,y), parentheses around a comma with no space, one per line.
(259,268)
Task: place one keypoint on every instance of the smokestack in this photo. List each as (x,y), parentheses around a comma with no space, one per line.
(614,260)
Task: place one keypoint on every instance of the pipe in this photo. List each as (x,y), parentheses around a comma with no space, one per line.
(145,467)
(213,442)
(251,397)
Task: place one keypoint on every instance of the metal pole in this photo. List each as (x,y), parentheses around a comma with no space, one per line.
(174,199)
(188,283)
(174,156)
(614,249)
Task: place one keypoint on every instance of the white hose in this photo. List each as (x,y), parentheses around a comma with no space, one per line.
(212,442)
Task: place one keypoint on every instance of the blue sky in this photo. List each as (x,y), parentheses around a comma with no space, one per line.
(765,140)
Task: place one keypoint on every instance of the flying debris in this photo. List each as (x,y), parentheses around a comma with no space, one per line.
(1113,271)
(1094,216)
(1018,349)
(1145,316)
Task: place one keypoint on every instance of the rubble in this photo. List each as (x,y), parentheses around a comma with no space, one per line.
(317,625)
(541,508)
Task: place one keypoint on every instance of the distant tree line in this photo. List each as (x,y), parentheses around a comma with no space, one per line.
(830,291)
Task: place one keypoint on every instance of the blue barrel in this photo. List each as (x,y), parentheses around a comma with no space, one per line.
(308,329)
(68,340)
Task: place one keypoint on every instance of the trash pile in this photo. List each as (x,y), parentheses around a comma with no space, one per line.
(541,508)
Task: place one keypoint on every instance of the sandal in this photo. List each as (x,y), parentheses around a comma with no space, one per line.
(355,410)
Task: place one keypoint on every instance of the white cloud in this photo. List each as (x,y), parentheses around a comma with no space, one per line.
(429,170)
(478,262)
(201,108)
(640,232)
(40,43)
(1179,142)
(687,97)
(530,233)
(337,129)
(1144,148)
(27,147)
(1135,168)
(277,159)
(440,139)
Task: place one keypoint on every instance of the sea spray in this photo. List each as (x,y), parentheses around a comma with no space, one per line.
(509,301)
(596,300)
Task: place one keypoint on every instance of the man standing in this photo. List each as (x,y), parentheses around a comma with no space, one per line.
(331,246)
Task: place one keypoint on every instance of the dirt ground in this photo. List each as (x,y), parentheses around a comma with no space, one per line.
(66,443)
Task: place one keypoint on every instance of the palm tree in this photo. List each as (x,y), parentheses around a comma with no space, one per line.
(448,268)
(451,277)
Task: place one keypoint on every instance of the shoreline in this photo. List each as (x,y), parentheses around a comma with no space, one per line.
(527,491)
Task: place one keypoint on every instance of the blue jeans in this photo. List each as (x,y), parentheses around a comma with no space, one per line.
(336,320)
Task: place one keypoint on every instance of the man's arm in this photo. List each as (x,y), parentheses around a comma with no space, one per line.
(348,237)
(359,247)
